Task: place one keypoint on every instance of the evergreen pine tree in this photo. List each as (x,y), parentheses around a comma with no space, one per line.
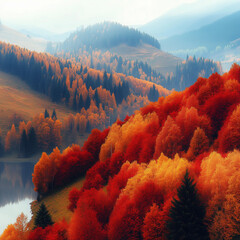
(32,142)
(87,102)
(98,82)
(88,127)
(66,93)
(119,68)
(85,70)
(187,214)
(110,82)
(23,144)
(1,145)
(153,94)
(75,101)
(91,64)
(54,115)
(43,218)
(96,97)
(46,114)
(105,80)
(80,103)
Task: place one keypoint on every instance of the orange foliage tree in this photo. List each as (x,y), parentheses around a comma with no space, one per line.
(169,139)
(17,231)
(199,144)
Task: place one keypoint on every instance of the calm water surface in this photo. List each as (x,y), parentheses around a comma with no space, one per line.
(16,191)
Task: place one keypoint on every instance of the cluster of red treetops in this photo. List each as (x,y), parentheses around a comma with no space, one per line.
(134,170)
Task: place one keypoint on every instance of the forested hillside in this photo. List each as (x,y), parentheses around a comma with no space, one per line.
(77,86)
(104,36)
(184,75)
(187,73)
(152,170)
(120,120)
(98,98)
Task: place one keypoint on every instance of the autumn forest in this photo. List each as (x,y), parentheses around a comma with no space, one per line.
(137,154)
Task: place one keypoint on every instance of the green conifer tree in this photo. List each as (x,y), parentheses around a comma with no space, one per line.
(43,218)
(1,145)
(46,114)
(187,214)
(87,102)
(54,115)
(80,103)
(32,142)
(96,97)
(24,144)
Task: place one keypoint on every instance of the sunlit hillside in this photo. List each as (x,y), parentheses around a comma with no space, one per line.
(17,97)
(161,61)
(12,36)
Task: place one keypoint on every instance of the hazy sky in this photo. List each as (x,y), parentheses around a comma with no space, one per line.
(67,15)
(11,211)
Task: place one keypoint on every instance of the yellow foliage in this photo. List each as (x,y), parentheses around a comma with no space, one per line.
(165,172)
(119,137)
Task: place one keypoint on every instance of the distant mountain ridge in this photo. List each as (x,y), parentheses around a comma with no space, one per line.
(188,17)
(44,34)
(121,40)
(12,36)
(115,39)
(217,34)
(104,36)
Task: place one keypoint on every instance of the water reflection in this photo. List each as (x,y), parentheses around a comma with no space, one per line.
(16,182)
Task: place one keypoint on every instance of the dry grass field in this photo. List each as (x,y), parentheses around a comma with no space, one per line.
(17,97)
(56,203)
(161,61)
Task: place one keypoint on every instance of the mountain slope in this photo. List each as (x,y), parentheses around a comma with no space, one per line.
(17,97)
(106,35)
(121,40)
(159,60)
(9,35)
(128,192)
(188,17)
(97,97)
(219,33)
(44,34)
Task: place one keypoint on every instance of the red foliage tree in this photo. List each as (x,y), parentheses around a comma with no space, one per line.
(116,161)
(229,137)
(39,233)
(234,73)
(155,222)
(127,217)
(58,231)
(73,197)
(73,164)
(218,108)
(134,147)
(125,221)
(87,218)
(199,144)
(95,141)
(188,120)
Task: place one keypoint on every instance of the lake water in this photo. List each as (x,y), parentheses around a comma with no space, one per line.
(16,191)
